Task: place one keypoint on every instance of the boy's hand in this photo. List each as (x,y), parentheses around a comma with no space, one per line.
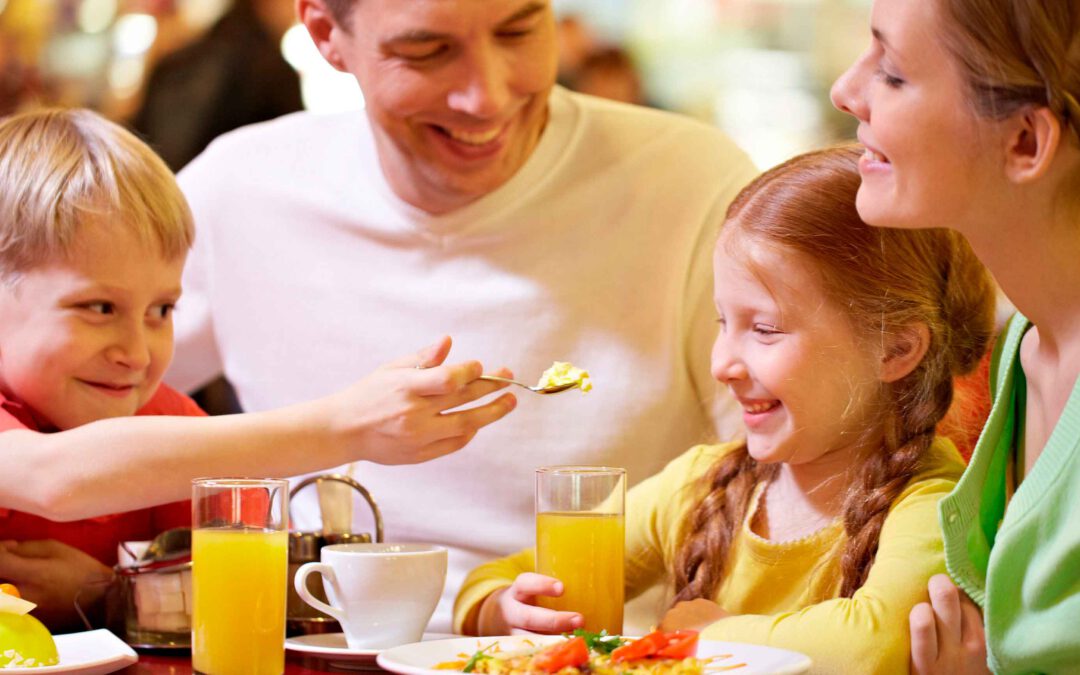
(947,632)
(398,414)
(692,615)
(512,609)
(50,574)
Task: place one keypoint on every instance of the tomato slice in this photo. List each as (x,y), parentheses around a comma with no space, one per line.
(10,589)
(573,652)
(678,644)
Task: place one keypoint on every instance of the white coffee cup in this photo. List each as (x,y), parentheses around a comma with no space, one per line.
(383,595)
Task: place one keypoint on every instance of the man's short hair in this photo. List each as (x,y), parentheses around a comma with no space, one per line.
(59,168)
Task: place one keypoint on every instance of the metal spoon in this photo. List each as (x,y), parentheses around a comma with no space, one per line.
(554,389)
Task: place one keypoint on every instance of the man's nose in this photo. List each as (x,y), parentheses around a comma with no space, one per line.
(483,89)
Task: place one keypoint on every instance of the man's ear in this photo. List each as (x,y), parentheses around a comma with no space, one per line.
(1033,136)
(904,351)
(322,27)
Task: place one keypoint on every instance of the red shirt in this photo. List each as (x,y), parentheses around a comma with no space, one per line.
(99,536)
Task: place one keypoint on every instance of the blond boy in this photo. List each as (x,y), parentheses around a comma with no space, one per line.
(94,234)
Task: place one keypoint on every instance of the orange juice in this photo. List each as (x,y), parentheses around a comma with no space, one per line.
(238,583)
(584,551)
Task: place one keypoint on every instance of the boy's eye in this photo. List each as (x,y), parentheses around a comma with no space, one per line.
(162,311)
(101,307)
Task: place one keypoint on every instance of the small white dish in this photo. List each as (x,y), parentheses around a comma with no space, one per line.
(420,658)
(93,652)
(332,647)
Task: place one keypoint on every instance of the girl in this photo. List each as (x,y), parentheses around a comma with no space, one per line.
(819,531)
(970,113)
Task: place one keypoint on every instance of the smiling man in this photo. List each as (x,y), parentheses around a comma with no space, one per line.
(475,198)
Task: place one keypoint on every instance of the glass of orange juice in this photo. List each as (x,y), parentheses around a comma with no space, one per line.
(580,541)
(239,554)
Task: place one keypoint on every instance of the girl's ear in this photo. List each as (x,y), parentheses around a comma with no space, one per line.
(904,351)
(1032,138)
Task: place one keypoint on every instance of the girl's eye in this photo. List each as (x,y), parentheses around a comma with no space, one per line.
(766,329)
(511,34)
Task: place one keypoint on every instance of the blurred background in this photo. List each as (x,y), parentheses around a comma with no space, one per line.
(184,71)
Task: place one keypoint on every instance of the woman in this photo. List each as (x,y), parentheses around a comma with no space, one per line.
(969,113)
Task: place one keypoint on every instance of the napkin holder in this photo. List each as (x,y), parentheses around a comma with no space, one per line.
(304,547)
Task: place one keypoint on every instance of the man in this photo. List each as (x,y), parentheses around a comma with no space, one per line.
(473,198)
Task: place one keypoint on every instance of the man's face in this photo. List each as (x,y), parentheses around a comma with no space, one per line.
(456,90)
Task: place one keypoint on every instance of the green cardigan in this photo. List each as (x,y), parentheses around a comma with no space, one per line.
(1022,565)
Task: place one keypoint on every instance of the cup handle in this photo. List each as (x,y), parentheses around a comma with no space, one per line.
(327,572)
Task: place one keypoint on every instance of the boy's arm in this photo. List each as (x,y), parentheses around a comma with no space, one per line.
(396,415)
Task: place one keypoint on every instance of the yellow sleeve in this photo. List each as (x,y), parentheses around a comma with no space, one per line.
(655,509)
(869,630)
(485,580)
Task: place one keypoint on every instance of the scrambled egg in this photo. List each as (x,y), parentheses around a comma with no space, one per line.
(563,372)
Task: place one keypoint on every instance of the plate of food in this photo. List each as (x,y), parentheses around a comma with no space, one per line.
(333,648)
(26,647)
(658,653)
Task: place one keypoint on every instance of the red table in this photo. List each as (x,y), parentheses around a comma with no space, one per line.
(155,664)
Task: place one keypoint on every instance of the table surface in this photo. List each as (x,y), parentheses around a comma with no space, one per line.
(180,664)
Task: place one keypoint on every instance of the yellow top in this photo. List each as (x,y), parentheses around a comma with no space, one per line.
(784,593)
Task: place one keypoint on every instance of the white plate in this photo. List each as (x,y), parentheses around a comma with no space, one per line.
(93,652)
(420,658)
(332,646)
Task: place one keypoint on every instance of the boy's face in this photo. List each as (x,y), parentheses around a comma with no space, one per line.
(89,337)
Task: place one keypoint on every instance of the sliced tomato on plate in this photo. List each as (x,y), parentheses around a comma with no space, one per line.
(679,644)
(561,655)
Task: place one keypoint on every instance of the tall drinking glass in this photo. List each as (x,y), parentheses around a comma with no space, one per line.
(580,541)
(239,553)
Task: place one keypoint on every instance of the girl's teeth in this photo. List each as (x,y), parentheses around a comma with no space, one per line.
(474,138)
(759,408)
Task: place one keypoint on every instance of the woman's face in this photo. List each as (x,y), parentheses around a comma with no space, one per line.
(928,160)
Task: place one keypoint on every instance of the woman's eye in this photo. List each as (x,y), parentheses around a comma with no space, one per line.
(889,80)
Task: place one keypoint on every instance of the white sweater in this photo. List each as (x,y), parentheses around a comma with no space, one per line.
(308,272)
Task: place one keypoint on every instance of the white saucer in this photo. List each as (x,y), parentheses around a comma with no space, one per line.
(332,647)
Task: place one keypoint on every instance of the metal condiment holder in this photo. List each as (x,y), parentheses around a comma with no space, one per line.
(300,617)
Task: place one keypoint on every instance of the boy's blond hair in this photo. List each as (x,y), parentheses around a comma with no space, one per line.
(60,168)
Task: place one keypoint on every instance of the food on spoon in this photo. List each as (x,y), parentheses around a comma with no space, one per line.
(24,641)
(659,653)
(563,372)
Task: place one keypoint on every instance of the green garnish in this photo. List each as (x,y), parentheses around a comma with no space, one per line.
(476,658)
(601,642)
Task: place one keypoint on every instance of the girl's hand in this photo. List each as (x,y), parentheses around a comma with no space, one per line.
(692,615)
(398,414)
(514,608)
(947,632)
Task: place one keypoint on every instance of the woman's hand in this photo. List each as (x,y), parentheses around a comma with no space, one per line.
(514,608)
(692,615)
(947,632)
(400,413)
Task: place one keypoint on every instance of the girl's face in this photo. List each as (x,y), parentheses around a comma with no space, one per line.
(926,162)
(806,382)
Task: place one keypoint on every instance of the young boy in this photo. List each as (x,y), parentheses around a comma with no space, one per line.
(94,233)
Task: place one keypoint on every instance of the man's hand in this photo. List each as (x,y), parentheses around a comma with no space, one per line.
(50,574)
(692,615)
(947,632)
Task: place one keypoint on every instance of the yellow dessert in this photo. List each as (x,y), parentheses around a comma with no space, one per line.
(563,372)
(24,641)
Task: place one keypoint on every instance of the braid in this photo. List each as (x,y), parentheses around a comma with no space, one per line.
(713,524)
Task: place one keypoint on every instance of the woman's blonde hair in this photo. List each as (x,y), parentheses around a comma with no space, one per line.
(63,169)
(887,281)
